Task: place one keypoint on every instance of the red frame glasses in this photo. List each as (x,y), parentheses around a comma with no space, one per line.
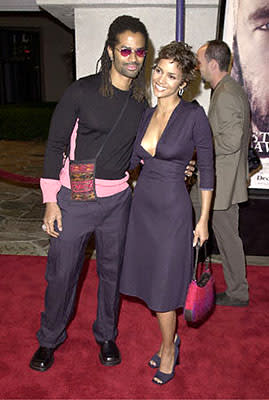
(126,51)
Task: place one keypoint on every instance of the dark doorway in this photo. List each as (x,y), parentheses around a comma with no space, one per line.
(19,66)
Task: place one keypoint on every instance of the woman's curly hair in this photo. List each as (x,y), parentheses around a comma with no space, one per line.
(181,54)
(118,26)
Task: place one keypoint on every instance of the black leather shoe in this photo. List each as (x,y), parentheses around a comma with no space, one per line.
(109,354)
(42,359)
(222,299)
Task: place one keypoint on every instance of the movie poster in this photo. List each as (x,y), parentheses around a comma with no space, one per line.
(246,30)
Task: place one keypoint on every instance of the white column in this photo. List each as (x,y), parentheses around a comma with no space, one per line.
(200,26)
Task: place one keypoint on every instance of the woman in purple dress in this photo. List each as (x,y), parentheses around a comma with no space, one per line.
(158,259)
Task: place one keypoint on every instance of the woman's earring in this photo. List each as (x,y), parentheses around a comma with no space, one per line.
(180,92)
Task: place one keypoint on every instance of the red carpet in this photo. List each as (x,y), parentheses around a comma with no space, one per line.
(226,358)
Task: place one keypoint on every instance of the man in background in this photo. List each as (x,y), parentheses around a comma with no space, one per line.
(229,118)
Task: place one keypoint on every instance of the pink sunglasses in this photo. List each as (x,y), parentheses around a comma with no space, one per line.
(126,51)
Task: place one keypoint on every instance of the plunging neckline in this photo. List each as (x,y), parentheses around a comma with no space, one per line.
(163,132)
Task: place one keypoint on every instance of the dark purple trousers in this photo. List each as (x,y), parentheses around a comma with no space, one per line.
(107,218)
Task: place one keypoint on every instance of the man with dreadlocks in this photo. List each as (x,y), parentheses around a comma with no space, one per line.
(92,105)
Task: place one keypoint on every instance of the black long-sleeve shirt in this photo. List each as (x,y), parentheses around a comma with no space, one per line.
(97,115)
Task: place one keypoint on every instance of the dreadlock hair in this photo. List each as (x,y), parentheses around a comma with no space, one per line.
(118,26)
(181,54)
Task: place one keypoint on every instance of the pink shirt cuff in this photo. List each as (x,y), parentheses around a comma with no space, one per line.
(50,188)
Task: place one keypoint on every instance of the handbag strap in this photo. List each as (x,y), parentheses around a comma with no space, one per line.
(109,133)
(197,250)
(114,125)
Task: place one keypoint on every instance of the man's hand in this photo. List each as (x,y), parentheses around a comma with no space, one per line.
(190,169)
(52,214)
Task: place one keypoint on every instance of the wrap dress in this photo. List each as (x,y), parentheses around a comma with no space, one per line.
(158,259)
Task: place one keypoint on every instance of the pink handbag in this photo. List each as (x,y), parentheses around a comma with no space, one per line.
(200,298)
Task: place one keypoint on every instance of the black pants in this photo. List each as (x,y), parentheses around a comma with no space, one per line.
(107,218)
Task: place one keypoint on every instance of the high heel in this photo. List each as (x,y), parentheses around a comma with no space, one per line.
(157,359)
(163,377)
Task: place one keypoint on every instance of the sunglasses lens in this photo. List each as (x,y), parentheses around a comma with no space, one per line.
(125,52)
(141,52)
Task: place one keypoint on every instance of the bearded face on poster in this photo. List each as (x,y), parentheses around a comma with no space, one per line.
(251,64)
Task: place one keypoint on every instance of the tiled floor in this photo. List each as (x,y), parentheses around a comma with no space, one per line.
(21,206)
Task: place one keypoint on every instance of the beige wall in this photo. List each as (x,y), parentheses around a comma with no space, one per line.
(56,42)
(91,25)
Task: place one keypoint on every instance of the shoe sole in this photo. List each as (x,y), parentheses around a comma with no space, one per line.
(42,369)
(232,305)
(109,363)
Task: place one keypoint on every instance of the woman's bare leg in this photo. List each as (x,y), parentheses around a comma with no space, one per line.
(167,323)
